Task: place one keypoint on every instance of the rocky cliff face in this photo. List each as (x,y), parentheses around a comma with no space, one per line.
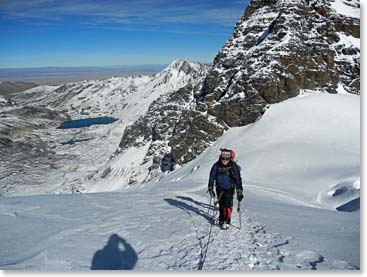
(279,49)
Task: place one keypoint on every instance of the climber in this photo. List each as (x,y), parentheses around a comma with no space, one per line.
(226,176)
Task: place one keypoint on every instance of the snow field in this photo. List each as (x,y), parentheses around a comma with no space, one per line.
(163,230)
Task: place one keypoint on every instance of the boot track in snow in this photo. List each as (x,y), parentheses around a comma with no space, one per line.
(246,248)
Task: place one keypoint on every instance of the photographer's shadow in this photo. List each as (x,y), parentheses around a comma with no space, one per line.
(112,258)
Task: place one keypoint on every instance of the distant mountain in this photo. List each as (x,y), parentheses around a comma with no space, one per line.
(7,88)
(111,96)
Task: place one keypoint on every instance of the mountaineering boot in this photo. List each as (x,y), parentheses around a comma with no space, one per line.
(224,226)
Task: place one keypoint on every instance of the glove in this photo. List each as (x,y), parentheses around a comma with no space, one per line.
(239,198)
(239,195)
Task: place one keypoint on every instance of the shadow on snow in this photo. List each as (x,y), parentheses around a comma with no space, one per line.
(186,207)
(111,257)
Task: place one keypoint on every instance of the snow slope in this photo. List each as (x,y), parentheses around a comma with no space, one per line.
(346,8)
(306,147)
(288,218)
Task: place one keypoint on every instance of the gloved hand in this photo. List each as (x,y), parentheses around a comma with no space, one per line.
(239,195)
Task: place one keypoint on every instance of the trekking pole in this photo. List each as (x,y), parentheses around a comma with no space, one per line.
(239,212)
(210,204)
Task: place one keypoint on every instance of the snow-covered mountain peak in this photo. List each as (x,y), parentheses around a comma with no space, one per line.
(180,72)
(185,66)
(107,97)
(176,63)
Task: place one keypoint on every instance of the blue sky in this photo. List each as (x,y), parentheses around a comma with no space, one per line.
(37,33)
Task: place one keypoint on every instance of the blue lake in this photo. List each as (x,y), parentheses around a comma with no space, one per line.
(80,123)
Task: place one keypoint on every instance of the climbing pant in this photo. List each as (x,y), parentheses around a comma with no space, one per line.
(225,204)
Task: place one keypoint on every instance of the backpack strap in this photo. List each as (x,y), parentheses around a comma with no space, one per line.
(227,171)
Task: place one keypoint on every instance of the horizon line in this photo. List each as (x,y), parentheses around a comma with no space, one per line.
(83,66)
(98,66)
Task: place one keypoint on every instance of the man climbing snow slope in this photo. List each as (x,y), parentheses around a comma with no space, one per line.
(226,176)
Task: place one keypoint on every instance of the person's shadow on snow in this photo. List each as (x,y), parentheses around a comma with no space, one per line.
(111,257)
(186,207)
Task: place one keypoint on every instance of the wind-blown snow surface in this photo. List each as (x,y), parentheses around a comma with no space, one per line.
(293,160)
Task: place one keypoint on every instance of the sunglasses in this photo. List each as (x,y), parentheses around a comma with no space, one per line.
(224,159)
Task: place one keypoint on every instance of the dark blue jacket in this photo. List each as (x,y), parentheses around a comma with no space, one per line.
(225,177)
